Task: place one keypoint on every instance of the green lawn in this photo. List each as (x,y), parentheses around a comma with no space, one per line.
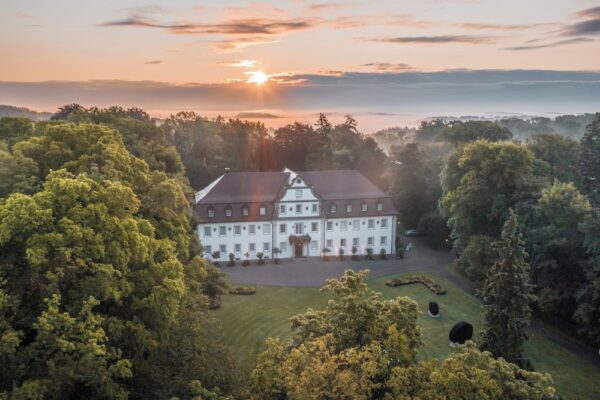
(248,320)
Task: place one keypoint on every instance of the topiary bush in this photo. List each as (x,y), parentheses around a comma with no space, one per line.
(409,280)
(242,290)
(341,254)
(231,262)
(325,255)
(369,253)
(276,253)
(354,256)
(260,256)
(382,254)
(216,255)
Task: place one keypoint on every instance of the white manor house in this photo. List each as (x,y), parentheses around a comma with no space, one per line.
(300,213)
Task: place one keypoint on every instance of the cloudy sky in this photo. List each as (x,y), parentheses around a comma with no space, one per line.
(389,61)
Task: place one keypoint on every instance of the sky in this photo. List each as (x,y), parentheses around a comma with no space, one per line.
(386,62)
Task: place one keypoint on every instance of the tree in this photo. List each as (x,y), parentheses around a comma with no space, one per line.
(559,157)
(590,161)
(556,246)
(507,294)
(460,133)
(481,182)
(415,186)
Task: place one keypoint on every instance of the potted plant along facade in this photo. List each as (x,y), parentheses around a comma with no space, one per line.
(231,262)
(354,256)
(325,255)
(216,255)
(246,261)
(341,254)
(369,253)
(276,252)
(382,254)
(260,256)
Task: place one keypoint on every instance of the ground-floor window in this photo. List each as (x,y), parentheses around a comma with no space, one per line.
(356,242)
(370,241)
(383,240)
(266,246)
(237,248)
(207,249)
(252,247)
(329,243)
(223,248)
(342,242)
(283,247)
(314,245)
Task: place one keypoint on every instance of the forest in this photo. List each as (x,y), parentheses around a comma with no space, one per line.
(103,293)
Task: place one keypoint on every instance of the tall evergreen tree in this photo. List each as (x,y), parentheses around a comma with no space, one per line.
(507,294)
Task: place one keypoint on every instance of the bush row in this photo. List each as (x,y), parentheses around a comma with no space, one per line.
(246,291)
(409,280)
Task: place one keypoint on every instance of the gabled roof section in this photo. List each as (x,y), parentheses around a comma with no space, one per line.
(342,184)
(245,187)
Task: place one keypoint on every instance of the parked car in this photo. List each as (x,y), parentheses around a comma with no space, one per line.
(413,232)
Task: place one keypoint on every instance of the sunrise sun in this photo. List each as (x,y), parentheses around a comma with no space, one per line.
(257,77)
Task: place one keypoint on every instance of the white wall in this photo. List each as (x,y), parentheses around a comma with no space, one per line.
(362,234)
(244,239)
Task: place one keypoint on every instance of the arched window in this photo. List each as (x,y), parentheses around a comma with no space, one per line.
(228,211)
(364,207)
(211,212)
(348,208)
(332,208)
(245,211)
(379,206)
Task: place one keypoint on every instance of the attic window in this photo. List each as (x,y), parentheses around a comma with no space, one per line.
(332,208)
(379,206)
(363,207)
(245,211)
(262,210)
(228,211)
(211,212)
(348,208)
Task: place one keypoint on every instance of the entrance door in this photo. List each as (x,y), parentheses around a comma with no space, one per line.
(298,249)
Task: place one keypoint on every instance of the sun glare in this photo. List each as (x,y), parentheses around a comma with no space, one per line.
(258,78)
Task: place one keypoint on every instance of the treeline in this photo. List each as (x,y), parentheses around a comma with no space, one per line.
(551,181)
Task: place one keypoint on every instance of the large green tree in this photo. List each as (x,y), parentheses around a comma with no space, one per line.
(481,182)
(558,157)
(460,133)
(590,161)
(507,294)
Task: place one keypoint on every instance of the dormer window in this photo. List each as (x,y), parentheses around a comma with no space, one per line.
(363,207)
(332,208)
(211,212)
(245,211)
(298,193)
(228,211)
(348,208)
(379,206)
(262,210)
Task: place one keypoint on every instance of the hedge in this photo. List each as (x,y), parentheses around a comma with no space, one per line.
(241,290)
(409,280)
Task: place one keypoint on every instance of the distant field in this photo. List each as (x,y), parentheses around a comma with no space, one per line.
(248,320)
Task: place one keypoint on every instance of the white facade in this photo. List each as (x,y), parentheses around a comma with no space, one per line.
(299,227)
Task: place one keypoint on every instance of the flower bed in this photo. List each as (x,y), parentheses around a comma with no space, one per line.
(409,280)
(244,291)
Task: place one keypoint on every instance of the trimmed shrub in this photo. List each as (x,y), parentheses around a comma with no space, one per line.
(382,254)
(231,262)
(409,280)
(246,263)
(242,290)
(276,252)
(216,255)
(354,256)
(369,255)
(260,256)
(341,254)
(325,255)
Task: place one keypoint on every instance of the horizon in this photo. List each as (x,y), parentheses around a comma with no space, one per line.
(386,64)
